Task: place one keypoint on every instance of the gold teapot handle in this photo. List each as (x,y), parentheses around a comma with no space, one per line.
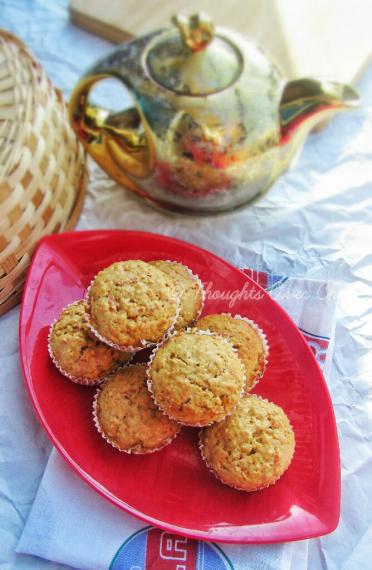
(117,141)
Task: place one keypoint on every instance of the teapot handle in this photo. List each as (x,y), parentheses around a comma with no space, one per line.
(114,140)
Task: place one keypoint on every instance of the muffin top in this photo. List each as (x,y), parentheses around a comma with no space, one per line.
(250,344)
(196,377)
(132,304)
(126,414)
(79,354)
(189,290)
(251,448)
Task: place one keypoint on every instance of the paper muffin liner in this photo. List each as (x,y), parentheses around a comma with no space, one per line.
(195,277)
(189,330)
(130,450)
(128,348)
(209,466)
(265,346)
(76,379)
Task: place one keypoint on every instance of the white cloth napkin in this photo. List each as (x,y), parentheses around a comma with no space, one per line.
(70,524)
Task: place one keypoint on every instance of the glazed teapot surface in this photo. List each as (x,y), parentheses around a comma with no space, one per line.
(213,123)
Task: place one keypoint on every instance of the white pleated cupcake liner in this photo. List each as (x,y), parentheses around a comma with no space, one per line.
(127,348)
(194,277)
(83,381)
(210,468)
(130,450)
(265,346)
(150,384)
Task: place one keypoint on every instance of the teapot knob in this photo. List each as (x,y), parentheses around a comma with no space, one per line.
(197,30)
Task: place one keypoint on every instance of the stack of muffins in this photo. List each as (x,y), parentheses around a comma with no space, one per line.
(200,376)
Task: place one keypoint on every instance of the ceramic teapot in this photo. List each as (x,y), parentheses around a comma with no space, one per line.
(213,123)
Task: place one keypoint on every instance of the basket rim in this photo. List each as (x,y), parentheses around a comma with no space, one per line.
(16,40)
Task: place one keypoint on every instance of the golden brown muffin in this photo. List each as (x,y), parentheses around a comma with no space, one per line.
(249,342)
(126,416)
(132,305)
(252,448)
(190,291)
(196,378)
(77,353)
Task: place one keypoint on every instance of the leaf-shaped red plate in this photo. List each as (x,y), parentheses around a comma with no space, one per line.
(172,489)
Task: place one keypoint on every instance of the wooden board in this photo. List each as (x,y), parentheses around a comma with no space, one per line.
(307,38)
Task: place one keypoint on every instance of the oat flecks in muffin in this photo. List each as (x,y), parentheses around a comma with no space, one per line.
(132,304)
(77,352)
(245,338)
(196,377)
(252,448)
(127,416)
(189,289)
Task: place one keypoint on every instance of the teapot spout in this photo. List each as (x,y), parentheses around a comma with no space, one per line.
(305,102)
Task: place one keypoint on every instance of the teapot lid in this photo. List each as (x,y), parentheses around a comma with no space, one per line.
(193,60)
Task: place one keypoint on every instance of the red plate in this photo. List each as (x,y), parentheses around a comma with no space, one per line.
(172,489)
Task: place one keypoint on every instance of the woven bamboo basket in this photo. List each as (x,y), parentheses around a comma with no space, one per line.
(43,174)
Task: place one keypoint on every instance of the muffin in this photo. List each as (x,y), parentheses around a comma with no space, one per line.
(189,288)
(132,305)
(246,337)
(196,377)
(77,353)
(252,448)
(126,416)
